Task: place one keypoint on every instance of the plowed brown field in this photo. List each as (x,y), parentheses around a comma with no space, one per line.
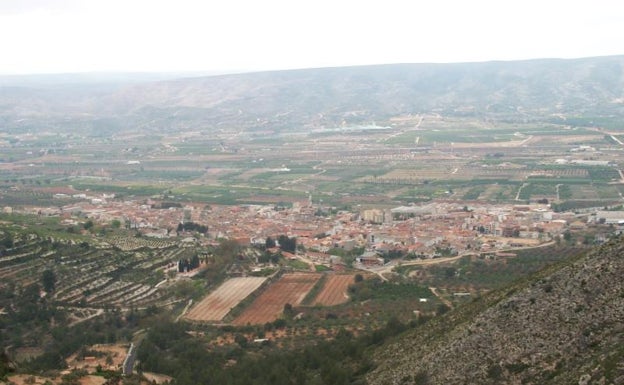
(334,291)
(216,305)
(291,288)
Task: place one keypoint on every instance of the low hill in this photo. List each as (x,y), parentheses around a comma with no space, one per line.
(564,326)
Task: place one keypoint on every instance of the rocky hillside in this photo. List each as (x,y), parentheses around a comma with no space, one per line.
(565,326)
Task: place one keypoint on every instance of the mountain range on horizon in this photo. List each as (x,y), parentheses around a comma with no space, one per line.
(562,325)
(322,97)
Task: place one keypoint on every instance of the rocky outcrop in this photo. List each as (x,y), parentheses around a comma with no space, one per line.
(564,326)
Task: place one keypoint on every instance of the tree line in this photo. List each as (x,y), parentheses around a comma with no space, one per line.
(192,226)
(168,349)
(188,264)
(285,243)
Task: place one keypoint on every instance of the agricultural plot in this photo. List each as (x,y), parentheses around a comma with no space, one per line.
(435,172)
(100,280)
(86,274)
(291,288)
(608,192)
(603,174)
(537,191)
(498,173)
(127,243)
(335,290)
(584,192)
(449,130)
(218,303)
(474,192)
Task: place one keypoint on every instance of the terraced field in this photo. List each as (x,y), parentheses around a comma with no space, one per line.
(89,276)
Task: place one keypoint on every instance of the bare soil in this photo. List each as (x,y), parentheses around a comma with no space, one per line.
(291,288)
(335,290)
(218,303)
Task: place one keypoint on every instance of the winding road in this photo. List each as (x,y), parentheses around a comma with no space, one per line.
(388,267)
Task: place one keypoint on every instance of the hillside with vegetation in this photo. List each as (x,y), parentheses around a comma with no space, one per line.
(325,97)
(561,326)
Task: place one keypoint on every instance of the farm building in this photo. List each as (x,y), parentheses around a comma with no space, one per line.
(610,217)
(370,258)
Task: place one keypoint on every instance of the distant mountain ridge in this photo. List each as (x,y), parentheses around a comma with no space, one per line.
(564,326)
(330,96)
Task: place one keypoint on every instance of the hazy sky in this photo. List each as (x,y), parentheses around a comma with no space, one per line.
(45,36)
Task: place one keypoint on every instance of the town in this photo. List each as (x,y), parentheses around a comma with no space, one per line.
(431,230)
(293,227)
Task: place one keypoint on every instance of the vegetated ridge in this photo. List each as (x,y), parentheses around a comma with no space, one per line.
(563,326)
(324,97)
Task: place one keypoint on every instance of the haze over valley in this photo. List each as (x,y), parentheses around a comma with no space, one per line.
(384,224)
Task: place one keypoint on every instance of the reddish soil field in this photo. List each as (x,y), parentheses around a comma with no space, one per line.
(92,380)
(334,291)
(157,378)
(117,353)
(27,379)
(291,288)
(216,305)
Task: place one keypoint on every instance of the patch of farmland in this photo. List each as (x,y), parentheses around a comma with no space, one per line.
(126,243)
(404,176)
(334,291)
(498,192)
(86,272)
(218,303)
(608,192)
(537,191)
(107,293)
(133,292)
(584,192)
(559,138)
(291,288)
(17,270)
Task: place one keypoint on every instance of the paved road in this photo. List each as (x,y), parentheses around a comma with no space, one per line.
(387,268)
(128,364)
